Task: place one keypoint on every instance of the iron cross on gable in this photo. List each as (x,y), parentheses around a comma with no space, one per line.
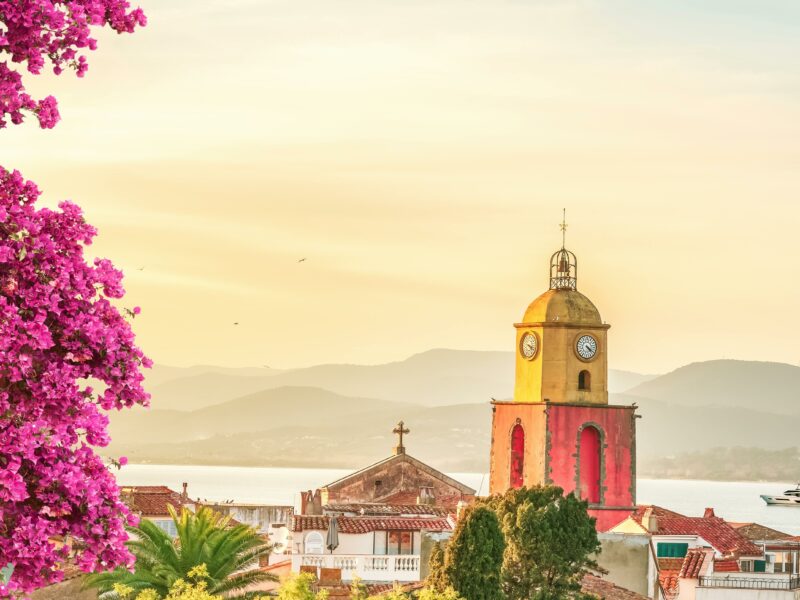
(399,431)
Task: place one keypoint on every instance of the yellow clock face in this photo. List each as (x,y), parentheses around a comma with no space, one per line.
(529,345)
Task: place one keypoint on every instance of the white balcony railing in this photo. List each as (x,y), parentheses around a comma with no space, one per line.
(369,567)
(750,581)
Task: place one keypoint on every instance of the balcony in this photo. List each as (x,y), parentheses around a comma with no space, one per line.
(368,567)
(752,582)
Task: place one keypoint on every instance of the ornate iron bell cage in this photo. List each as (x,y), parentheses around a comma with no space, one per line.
(563,271)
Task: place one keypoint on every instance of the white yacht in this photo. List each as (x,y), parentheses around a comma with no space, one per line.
(788,498)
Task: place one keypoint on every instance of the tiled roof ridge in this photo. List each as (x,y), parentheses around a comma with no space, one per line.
(404,457)
(713,529)
(368,524)
(692,563)
(387,508)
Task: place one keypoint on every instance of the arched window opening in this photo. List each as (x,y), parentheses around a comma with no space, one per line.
(584,380)
(314,543)
(517,455)
(589,457)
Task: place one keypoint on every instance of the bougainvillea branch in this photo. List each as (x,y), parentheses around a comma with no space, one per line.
(34,33)
(60,331)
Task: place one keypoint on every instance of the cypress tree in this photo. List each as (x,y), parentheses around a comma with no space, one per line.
(437,578)
(474,556)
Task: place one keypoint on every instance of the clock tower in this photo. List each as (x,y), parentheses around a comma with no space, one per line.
(559,428)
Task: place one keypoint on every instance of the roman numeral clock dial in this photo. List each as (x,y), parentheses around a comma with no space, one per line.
(529,345)
(586,347)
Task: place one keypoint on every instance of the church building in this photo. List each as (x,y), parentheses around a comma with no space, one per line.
(559,428)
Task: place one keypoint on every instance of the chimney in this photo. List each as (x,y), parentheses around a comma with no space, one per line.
(460,508)
(649,520)
(185,494)
(709,513)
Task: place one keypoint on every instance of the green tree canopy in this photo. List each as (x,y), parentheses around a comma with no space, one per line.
(437,579)
(474,557)
(550,541)
(300,586)
(204,538)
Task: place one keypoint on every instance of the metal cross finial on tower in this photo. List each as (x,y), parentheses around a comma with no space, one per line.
(400,430)
(563,264)
(564,230)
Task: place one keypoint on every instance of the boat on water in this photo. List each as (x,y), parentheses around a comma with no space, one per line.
(788,498)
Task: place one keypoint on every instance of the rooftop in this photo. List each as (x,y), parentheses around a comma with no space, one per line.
(152,500)
(369,524)
(367,508)
(716,531)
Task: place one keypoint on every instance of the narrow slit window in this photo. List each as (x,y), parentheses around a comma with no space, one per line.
(584,381)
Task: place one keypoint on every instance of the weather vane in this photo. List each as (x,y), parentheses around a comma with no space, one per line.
(563,227)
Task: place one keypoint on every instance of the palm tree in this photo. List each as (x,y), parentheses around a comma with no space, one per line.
(204,538)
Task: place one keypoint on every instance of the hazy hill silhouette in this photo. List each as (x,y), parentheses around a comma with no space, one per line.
(265,410)
(692,409)
(763,386)
(434,378)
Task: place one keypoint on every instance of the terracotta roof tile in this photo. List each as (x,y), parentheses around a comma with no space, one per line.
(724,538)
(759,533)
(692,563)
(669,564)
(726,566)
(669,583)
(601,588)
(388,509)
(151,500)
(369,524)
(410,497)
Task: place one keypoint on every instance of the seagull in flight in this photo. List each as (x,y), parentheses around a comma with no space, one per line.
(302,260)
(236,322)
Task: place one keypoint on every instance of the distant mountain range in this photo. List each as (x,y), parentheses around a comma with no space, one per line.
(342,415)
(434,378)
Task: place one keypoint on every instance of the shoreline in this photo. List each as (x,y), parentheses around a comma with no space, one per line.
(318,467)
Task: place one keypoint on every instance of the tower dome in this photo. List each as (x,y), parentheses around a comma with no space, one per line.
(563,303)
(563,306)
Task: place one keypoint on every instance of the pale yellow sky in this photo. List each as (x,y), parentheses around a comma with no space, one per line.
(418,154)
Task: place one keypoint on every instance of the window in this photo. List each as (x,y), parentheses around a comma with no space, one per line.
(314,543)
(379,546)
(517,456)
(584,380)
(167,526)
(426,495)
(590,467)
(671,550)
(782,562)
(400,542)
(759,566)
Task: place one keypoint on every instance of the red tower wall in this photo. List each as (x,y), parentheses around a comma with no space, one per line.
(555,435)
(617,436)
(505,416)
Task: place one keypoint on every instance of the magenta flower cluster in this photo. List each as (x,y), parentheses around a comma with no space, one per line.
(67,354)
(34,32)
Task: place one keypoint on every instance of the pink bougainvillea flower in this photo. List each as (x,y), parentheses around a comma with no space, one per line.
(59,329)
(34,32)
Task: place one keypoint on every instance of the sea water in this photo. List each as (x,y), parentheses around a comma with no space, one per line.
(731,500)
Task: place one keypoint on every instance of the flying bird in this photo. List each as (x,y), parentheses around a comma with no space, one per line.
(236,322)
(302,260)
(140,269)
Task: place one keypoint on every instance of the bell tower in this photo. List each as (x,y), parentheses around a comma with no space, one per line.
(559,428)
(562,341)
